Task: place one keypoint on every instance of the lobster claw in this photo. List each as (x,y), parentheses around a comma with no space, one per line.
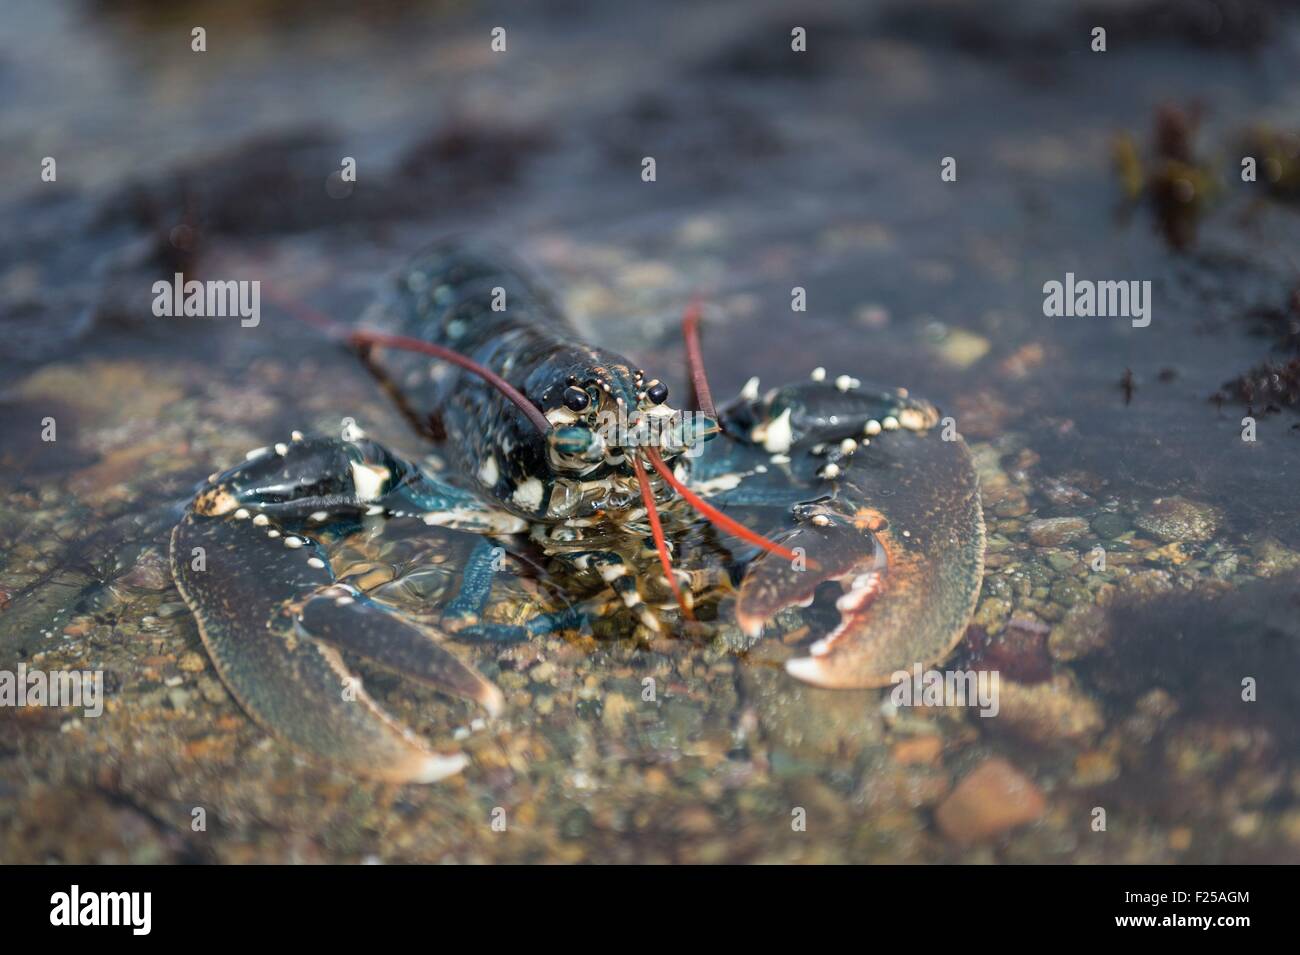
(827,546)
(904,535)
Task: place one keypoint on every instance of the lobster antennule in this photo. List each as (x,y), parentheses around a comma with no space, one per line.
(365,337)
(657,530)
(695,359)
(711,513)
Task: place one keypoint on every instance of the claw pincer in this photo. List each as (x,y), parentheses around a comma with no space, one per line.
(898,526)
(275,621)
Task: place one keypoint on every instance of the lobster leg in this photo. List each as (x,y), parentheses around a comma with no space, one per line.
(571,618)
(614,572)
(274,619)
(466,608)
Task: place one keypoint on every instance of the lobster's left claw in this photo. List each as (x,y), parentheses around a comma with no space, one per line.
(904,534)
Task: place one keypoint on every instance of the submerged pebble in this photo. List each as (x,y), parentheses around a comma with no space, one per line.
(1174,519)
(1052,712)
(1055,531)
(994,798)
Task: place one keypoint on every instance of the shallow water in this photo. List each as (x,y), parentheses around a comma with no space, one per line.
(774,170)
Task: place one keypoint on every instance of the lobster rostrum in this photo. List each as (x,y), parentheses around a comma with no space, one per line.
(560,452)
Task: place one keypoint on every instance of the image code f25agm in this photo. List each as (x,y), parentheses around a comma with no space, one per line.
(669,434)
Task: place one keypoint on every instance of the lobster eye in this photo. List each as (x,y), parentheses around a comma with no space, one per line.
(575,399)
(656,392)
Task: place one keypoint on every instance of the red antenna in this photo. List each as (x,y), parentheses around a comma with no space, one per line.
(364,337)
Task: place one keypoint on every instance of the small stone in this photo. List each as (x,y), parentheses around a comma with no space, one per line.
(1177,519)
(961,348)
(192,662)
(1272,558)
(212,690)
(1013,506)
(1109,525)
(1244,825)
(1083,631)
(79,626)
(542,673)
(994,798)
(992,614)
(1019,653)
(1095,767)
(149,573)
(1055,531)
(1225,567)
(1290,825)
(1157,704)
(617,708)
(695,821)
(1052,712)
(918,751)
(1061,561)
(1069,591)
(1063,494)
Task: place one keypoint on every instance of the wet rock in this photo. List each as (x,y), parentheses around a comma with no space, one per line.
(992,614)
(1053,712)
(617,709)
(544,672)
(149,573)
(1148,583)
(1225,567)
(1055,531)
(1012,506)
(1070,591)
(1083,631)
(1094,768)
(1150,715)
(1018,653)
(999,495)
(994,798)
(1066,495)
(918,751)
(960,348)
(892,785)
(75,825)
(1271,558)
(1198,646)
(1173,519)
(1110,525)
(1061,561)
(808,721)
